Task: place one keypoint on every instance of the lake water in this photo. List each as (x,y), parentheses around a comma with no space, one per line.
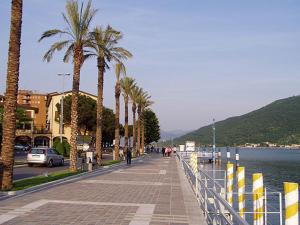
(277,165)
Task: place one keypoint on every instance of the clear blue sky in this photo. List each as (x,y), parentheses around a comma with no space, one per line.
(198,59)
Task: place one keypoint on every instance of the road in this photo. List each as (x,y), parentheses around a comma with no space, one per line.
(23,171)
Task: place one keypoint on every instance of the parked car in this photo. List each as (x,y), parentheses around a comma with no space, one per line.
(20,147)
(45,156)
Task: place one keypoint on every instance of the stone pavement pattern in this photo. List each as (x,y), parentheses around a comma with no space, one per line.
(152,191)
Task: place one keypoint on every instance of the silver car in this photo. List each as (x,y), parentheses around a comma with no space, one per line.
(45,156)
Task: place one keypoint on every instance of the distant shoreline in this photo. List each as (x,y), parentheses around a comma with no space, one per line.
(275,148)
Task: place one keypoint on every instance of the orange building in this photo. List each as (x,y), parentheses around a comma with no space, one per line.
(35,100)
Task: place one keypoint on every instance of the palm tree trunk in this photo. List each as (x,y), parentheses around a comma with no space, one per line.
(117,121)
(101,70)
(10,104)
(126,124)
(78,59)
(134,128)
(142,133)
(139,132)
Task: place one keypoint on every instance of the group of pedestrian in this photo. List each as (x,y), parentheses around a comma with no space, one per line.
(166,152)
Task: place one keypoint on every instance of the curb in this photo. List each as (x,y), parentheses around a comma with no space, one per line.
(104,169)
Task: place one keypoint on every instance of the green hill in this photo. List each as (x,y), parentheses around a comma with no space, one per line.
(278,122)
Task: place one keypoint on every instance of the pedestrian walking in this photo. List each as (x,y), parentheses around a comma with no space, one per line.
(128,156)
(168,151)
(163,150)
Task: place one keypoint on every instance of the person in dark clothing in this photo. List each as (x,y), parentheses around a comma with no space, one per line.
(163,150)
(152,149)
(128,156)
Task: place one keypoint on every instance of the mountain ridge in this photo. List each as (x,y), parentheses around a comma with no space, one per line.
(277,122)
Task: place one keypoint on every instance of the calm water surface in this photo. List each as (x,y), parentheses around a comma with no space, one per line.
(277,165)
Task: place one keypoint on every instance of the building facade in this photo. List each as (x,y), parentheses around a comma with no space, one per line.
(36,100)
(42,110)
(53,114)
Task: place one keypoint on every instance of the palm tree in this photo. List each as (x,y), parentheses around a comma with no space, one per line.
(77,20)
(10,104)
(143,96)
(120,69)
(146,103)
(127,84)
(103,46)
(134,96)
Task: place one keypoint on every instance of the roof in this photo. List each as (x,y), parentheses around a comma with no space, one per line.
(30,92)
(50,95)
(68,92)
(23,107)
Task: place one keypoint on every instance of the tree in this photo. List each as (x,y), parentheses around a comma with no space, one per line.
(152,130)
(127,84)
(21,118)
(145,103)
(120,69)
(87,117)
(86,113)
(108,128)
(10,104)
(77,20)
(103,46)
(134,96)
(142,98)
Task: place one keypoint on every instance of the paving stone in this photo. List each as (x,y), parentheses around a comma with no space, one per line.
(153,192)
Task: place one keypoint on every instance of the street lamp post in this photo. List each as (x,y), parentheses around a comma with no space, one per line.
(214,140)
(214,151)
(61,121)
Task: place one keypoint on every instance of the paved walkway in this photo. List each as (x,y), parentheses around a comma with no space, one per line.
(152,191)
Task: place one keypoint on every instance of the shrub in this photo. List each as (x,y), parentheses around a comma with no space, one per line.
(62,148)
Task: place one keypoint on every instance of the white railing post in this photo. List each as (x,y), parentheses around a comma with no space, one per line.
(280,208)
(266,206)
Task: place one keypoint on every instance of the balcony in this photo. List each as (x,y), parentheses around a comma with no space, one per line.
(41,130)
(27,130)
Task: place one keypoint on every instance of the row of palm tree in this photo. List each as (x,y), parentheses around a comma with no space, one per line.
(140,99)
(81,44)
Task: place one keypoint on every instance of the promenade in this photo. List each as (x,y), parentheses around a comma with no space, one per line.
(152,191)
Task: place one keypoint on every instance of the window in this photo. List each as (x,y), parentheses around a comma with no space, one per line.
(37,151)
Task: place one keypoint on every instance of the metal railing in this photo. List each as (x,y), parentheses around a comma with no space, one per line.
(210,194)
(210,188)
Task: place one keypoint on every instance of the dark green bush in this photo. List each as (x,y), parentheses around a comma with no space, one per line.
(62,148)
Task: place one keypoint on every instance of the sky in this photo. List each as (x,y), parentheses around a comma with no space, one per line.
(198,59)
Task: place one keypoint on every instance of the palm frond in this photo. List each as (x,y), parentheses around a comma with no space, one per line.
(104,44)
(55,47)
(53,32)
(68,53)
(120,69)
(127,84)
(88,56)
(77,21)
